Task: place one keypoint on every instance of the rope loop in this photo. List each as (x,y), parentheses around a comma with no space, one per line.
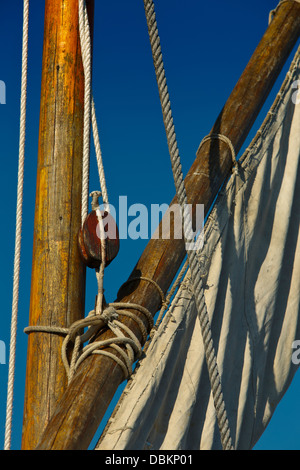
(227,141)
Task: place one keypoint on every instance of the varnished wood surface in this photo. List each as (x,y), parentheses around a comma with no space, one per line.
(84,403)
(58,275)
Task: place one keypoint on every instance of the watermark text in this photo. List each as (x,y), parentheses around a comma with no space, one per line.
(160,221)
(2,353)
(2,92)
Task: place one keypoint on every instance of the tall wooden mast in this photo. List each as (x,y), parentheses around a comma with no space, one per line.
(58,275)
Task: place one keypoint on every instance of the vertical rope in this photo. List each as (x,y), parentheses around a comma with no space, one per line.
(188,230)
(17,257)
(85,41)
(89,114)
(99,158)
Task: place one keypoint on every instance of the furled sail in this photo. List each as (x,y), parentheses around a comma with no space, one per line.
(252,292)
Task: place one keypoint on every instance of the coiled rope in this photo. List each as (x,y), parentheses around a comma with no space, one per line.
(95,322)
(188,231)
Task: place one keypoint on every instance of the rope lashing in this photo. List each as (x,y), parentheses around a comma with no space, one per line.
(94,323)
(17,257)
(192,255)
(165,301)
(227,141)
(109,317)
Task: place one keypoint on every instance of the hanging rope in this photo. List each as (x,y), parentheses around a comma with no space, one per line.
(103,186)
(85,42)
(188,231)
(17,257)
(89,115)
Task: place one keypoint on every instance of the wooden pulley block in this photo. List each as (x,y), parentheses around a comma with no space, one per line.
(89,237)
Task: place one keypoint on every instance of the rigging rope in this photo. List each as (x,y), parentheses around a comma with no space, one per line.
(192,255)
(17,256)
(89,115)
(85,42)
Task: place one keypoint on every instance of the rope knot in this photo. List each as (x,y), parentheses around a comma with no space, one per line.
(109,314)
(95,195)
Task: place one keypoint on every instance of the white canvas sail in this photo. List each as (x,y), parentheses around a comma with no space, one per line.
(252,292)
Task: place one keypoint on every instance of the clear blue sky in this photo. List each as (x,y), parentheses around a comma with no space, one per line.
(206,47)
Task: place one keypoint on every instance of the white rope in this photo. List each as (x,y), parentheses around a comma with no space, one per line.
(85,41)
(17,257)
(99,158)
(188,230)
(89,114)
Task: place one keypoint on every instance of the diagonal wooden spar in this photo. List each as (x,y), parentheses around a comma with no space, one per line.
(85,401)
